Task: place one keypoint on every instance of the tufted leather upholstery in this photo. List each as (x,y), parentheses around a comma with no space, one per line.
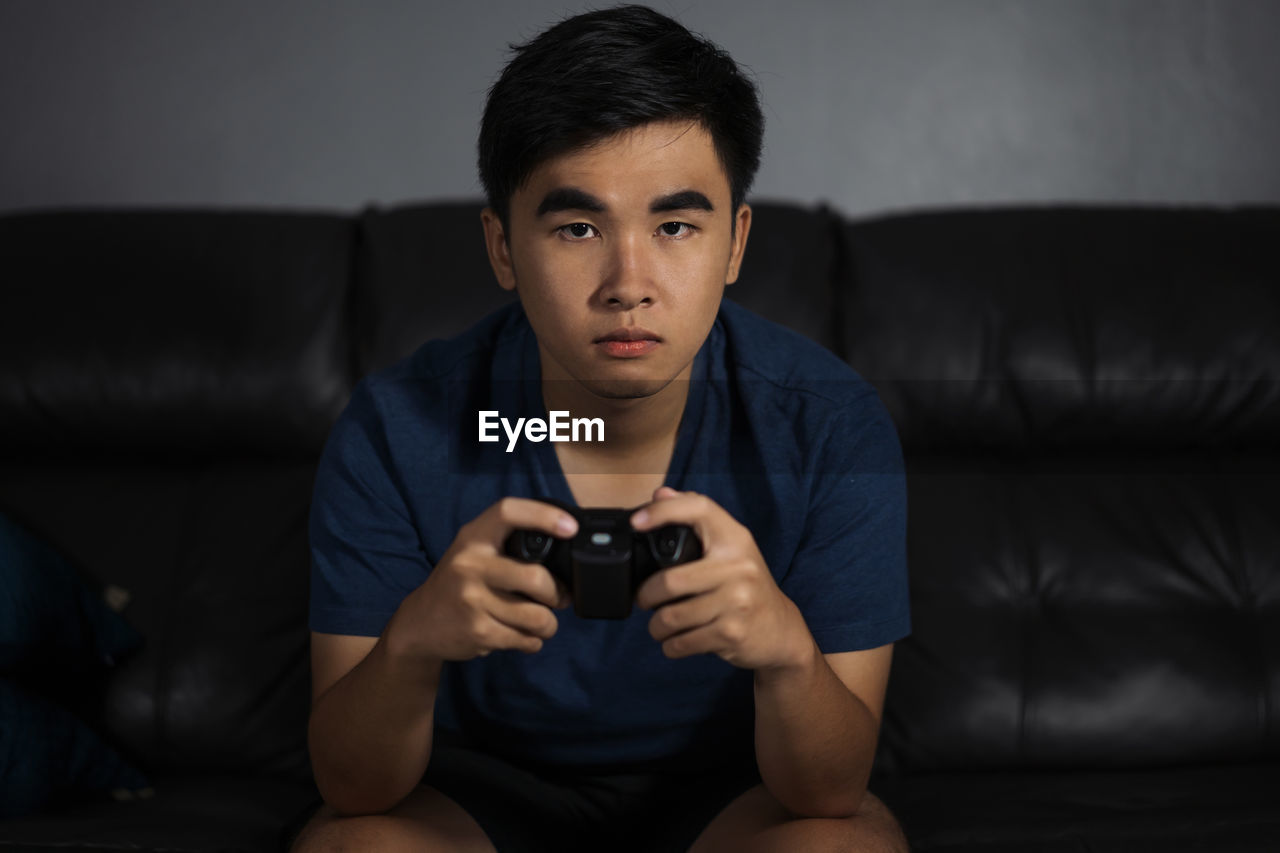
(1072,330)
(1088,402)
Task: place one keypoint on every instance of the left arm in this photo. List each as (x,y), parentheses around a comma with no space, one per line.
(817,717)
(816,729)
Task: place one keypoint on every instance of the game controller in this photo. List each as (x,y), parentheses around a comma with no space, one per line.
(606,561)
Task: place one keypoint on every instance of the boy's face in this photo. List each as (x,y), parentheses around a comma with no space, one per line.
(620,253)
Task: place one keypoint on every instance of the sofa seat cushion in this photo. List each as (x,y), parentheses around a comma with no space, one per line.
(1210,808)
(186,813)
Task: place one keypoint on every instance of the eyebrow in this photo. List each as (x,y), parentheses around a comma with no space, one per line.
(569,198)
(572,198)
(683,200)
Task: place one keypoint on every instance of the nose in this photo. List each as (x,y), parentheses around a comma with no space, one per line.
(628,280)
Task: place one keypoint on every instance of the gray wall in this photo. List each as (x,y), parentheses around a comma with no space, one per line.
(872,104)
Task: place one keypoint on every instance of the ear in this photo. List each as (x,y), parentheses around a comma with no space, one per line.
(741,228)
(495,242)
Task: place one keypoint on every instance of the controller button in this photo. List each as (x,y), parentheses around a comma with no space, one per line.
(601,539)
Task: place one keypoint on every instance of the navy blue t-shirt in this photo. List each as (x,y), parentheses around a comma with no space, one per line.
(778,431)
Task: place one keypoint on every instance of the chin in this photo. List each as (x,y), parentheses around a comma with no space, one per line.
(625,389)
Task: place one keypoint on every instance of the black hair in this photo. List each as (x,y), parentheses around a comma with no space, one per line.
(603,72)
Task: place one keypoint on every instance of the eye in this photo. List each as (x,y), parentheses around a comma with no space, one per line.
(678,230)
(577,231)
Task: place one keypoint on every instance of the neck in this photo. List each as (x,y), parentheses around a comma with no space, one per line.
(634,427)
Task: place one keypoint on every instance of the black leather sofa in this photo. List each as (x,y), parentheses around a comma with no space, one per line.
(1087,398)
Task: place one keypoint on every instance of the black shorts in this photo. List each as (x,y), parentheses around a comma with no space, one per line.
(529,809)
(523,808)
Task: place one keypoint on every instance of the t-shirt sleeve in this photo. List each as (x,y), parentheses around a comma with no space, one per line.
(849,576)
(366,552)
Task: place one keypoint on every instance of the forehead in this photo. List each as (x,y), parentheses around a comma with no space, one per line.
(636,165)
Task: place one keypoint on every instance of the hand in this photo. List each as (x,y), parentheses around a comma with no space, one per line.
(477,600)
(725,603)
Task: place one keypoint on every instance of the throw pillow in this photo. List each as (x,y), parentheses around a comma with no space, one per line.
(48,755)
(59,636)
(49,617)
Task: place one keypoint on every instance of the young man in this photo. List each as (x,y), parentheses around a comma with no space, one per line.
(459,704)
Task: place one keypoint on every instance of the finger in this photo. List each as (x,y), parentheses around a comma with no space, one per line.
(678,617)
(565,597)
(688,579)
(525,616)
(705,639)
(533,580)
(511,514)
(664,492)
(495,635)
(696,510)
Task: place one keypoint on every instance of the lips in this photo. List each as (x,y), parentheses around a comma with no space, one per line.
(629,333)
(628,342)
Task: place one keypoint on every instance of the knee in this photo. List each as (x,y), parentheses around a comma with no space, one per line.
(877,829)
(328,833)
(424,822)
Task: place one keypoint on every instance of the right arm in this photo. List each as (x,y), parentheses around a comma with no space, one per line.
(373,699)
(372,713)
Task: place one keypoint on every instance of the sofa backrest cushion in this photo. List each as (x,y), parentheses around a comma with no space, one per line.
(421,274)
(1015,330)
(172,332)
